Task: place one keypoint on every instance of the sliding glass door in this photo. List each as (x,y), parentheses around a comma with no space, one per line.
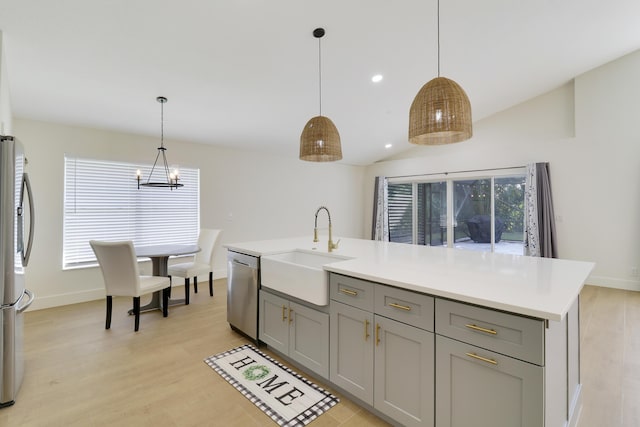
(481,214)
(509,208)
(472,214)
(432,214)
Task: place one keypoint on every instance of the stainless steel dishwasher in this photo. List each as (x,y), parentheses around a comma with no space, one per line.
(242,293)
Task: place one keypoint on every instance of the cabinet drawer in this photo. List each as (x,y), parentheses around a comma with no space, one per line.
(404,306)
(509,334)
(352,291)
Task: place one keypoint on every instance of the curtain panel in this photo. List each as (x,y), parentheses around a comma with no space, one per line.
(540,235)
(380,223)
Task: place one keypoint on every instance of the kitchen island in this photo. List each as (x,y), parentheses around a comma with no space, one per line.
(437,336)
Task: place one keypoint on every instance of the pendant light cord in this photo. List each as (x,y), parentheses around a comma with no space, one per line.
(320,74)
(438,38)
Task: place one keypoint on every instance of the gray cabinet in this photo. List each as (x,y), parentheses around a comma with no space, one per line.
(423,361)
(273,325)
(490,367)
(386,363)
(296,331)
(403,372)
(351,358)
(475,386)
(503,369)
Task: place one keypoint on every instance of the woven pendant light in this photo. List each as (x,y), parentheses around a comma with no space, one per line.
(320,140)
(441,111)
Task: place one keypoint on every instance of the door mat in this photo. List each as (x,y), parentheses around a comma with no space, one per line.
(286,397)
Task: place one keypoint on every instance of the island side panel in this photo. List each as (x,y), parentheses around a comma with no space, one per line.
(562,370)
(575,387)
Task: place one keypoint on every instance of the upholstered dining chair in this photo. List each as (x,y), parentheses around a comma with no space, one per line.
(119,267)
(201,264)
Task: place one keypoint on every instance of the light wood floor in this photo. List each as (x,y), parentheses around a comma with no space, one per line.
(79,374)
(610,350)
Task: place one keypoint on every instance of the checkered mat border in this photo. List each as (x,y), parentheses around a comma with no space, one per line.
(303,418)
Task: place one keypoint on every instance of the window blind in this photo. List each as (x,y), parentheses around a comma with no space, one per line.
(102,202)
(400,199)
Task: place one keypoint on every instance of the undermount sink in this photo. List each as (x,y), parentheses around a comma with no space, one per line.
(299,273)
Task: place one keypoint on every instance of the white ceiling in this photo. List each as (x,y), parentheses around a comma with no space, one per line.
(244,73)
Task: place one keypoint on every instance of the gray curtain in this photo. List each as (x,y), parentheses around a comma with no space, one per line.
(380,221)
(546,217)
(540,219)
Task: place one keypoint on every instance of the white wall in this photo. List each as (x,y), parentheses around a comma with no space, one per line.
(249,195)
(5,99)
(594,169)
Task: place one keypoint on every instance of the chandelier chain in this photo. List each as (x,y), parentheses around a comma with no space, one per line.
(161,124)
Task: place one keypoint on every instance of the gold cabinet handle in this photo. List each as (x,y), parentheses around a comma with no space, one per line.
(484,359)
(366,329)
(284,316)
(348,292)
(485,330)
(401,307)
(290,316)
(377,333)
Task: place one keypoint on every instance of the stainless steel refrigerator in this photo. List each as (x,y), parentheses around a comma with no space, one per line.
(16,237)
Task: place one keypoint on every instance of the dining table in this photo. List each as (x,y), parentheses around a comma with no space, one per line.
(159,255)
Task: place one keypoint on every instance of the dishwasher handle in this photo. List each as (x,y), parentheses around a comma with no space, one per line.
(235,261)
(241,260)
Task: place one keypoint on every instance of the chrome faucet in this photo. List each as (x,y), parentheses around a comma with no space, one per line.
(331,245)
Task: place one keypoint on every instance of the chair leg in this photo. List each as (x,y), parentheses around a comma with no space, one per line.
(195,284)
(186,291)
(170,285)
(136,312)
(211,283)
(107,324)
(165,301)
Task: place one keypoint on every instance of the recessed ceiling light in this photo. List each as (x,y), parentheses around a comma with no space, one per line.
(377,78)
(388,146)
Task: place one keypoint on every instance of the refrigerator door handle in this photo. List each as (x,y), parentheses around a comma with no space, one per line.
(26,252)
(31,296)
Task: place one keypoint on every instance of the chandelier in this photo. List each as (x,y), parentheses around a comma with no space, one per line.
(170,179)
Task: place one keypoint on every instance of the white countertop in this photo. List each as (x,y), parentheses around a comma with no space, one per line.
(538,287)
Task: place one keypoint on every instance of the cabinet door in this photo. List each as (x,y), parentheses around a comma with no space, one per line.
(404,372)
(476,387)
(351,358)
(274,321)
(309,338)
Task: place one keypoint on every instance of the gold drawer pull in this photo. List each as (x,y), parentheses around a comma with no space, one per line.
(348,292)
(402,307)
(484,359)
(377,334)
(478,328)
(284,316)
(290,316)
(366,329)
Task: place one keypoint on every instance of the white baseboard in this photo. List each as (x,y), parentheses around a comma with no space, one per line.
(612,282)
(42,302)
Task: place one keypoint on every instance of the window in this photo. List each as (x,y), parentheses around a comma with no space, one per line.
(102,202)
(484,213)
